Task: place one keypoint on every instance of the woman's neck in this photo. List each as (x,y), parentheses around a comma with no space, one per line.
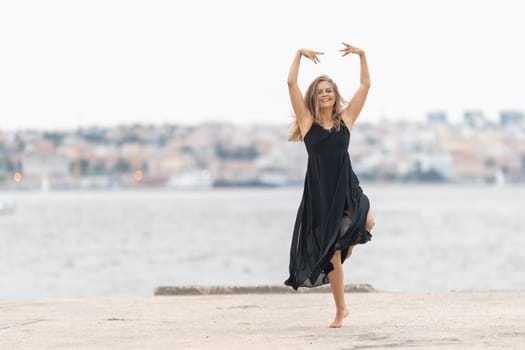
(325,118)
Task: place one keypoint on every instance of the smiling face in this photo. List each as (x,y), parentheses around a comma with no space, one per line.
(325,95)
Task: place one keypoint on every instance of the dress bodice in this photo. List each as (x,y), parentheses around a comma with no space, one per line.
(319,140)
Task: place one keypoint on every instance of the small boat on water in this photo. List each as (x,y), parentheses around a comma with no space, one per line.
(194,180)
(499,178)
(7,206)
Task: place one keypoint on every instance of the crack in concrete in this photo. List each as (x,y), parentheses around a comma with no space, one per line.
(21,324)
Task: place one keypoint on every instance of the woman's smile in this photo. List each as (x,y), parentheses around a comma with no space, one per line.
(326,94)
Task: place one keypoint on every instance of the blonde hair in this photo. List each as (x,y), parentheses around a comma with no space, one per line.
(312,104)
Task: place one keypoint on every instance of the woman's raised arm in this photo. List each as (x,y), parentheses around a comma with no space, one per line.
(303,117)
(351,112)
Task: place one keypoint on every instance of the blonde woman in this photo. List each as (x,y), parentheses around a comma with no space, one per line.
(334,214)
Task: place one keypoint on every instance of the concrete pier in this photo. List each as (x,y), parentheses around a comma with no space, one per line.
(378,320)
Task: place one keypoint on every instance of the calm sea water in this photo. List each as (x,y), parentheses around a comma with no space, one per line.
(84,244)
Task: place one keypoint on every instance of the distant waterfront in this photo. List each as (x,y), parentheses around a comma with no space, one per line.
(126,243)
(211,155)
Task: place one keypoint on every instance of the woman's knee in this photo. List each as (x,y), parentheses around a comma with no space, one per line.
(336,258)
(370,221)
(349,253)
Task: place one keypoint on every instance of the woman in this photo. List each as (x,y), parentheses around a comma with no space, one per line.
(334,214)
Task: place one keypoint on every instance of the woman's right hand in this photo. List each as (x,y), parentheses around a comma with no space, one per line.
(311,54)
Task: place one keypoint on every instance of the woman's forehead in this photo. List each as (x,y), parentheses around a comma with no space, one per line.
(324,85)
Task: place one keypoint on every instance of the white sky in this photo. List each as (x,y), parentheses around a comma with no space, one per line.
(102,62)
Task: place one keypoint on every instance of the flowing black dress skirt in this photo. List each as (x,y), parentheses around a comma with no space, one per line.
(331,188)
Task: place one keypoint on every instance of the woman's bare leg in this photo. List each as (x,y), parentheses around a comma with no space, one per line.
(350,249)
(336,277)
(370,221)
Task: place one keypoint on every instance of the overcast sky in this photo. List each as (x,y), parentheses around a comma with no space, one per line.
(69,63)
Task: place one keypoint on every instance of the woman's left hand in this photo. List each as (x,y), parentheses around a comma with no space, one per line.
(351,49)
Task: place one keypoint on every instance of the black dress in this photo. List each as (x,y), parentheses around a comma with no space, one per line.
(330,188)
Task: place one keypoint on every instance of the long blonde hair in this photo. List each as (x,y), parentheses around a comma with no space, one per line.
(312,104)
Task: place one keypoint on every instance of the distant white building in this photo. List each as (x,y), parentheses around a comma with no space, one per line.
(41,168)
(437,117)
(440,162)
(474,118)
(511,117)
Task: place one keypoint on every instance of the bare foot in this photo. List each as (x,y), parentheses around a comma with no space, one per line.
(339,316)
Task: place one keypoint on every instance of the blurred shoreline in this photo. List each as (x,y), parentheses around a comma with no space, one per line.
(219,154)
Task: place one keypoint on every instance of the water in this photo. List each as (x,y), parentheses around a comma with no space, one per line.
(84,244)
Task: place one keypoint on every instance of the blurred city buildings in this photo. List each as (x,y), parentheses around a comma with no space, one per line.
(215,154)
